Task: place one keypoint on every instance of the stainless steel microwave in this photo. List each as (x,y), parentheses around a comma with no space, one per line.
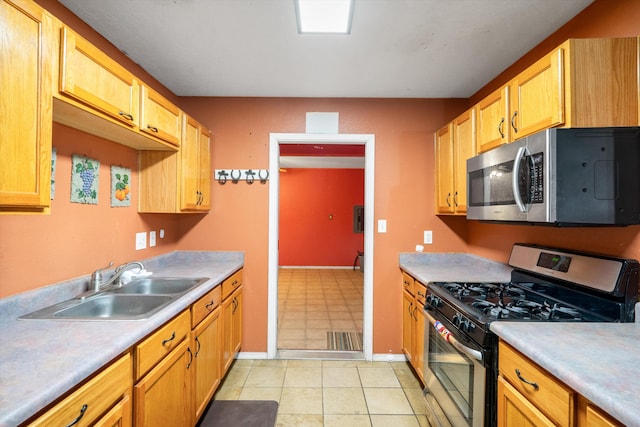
(568,177)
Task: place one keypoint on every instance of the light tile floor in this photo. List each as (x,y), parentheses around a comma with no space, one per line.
(330,392)
(313,301)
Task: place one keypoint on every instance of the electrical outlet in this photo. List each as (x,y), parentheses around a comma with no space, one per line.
(152,239)
(141,240)
(428,237)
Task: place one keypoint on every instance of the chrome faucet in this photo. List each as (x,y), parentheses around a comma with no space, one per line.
(96,277)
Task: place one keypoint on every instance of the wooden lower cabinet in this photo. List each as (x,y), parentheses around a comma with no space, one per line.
(413,323)
(232,323)
(163,396)
(515,410)
(206,343)
(105,400)
(530,396)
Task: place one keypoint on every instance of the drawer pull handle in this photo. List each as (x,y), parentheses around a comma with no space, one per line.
(82,411)
(500,128)
(235,282)
(211,304)
(126,115)
(173,336)
(513,122)
(526,381)
(152,128)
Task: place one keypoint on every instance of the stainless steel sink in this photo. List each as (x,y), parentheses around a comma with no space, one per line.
(105,307)
(160,285)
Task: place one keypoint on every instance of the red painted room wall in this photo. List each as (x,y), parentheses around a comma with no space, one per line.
(316,216)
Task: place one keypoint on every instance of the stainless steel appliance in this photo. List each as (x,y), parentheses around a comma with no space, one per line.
(561,177)
(547,285)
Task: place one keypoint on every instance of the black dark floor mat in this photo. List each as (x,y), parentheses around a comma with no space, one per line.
(240,413)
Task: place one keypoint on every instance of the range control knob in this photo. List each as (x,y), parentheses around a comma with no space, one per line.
(434,300)
(463,323)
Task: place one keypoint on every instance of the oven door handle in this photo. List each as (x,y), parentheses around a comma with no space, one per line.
(446,334)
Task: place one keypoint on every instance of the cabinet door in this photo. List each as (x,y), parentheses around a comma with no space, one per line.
(418,342)
(204,160)
(159,117)
(407,324)
(118,416)
(237,322)
(25,104)
(206,361)
(492,129)
(464,147)
(190,165)
(92,78)
(590,415)
(232,325)
(444,170)
(515,410)
(163,396)
(537,96)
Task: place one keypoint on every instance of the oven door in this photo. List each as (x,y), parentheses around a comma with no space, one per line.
(455,376)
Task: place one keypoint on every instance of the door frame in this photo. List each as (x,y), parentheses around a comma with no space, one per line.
(275,140)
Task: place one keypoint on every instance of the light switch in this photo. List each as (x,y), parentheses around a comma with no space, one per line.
(152,239)
(141,240)
(428,237)
(382,226)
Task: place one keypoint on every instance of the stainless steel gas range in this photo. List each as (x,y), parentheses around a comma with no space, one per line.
(547,285)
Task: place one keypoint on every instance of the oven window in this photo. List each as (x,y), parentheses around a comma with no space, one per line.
(454,371)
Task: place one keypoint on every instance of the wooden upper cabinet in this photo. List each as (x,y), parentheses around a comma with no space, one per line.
(455,144)
(444,169)
(90,76)
(159,117)
(537,96)
(601,82)
(178,182)
(464,147)
(196,166)
(26,46)
(492,114)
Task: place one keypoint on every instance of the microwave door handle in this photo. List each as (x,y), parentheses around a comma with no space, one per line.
(444,332)
(514,181)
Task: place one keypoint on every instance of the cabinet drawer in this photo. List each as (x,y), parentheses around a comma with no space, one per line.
(420,292)
(407,282)
(205,305)
(96,397)
(549,395)
(160,343)
(231,284)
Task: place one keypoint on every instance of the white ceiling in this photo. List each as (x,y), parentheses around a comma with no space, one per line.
(396,49)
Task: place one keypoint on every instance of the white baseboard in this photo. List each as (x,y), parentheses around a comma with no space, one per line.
(385,357)
(382,357)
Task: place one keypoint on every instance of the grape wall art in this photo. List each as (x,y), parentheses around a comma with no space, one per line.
(120,186)
(84,180)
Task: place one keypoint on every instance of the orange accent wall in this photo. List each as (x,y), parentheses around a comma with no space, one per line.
(316,216)
(36,250)
(76,239)
(620,18)
(404,186)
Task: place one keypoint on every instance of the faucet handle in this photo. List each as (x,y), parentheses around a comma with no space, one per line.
(96,277)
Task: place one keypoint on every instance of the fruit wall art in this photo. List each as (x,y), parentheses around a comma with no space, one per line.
(120,186)
(84,180)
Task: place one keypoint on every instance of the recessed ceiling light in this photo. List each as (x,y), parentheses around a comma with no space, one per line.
(324,16)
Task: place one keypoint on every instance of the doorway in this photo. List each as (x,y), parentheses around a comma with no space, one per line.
(276,140)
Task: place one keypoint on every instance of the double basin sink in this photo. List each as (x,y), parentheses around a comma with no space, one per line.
(138,299)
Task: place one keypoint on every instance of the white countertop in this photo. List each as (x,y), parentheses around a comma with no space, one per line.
(41,360)
(600,361)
